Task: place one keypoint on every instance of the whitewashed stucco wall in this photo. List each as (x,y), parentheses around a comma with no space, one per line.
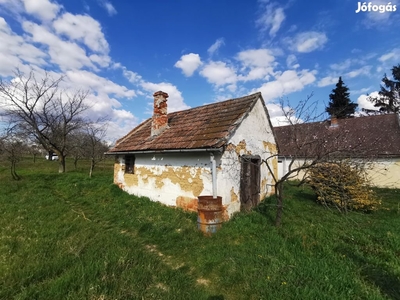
(253,137)
(177,179)
(381,172)
(170,178)
(385,172)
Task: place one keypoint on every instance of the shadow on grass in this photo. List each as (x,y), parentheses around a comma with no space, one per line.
(267,208)
(216,297)
(387,282)
(292,194)
(302,194)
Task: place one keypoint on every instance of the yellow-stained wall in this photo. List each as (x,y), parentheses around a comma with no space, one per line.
(381,172)
(177,179)
(385,173)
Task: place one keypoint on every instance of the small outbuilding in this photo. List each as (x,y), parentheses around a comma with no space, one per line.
(373,140)
(217,149)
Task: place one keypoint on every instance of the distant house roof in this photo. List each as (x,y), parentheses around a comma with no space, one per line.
(368,136)
(205,127)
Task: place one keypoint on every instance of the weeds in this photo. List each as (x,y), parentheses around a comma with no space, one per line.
(68,236)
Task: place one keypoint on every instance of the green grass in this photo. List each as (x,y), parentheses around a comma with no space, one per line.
(66,236)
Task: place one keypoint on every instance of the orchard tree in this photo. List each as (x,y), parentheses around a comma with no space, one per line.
(43,110)
(88,143)
(389,96)
(12,148)
(34,150)
(95,147)
(340,104)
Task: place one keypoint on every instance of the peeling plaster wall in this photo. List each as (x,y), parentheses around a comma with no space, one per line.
(253,137)
(175,179)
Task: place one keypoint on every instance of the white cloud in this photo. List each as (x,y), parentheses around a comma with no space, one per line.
(256,58)
(107,5)
(175,99)
(328,80)
(271,19)
(101,60)
(342,66)
(14,51)
(308,41)
(339,70)
(361,91)
(258,62)
(364,103)
(189,63)
(13,6)
(84,29)
(377,18)
(393,55)
(45,10)
(133,77)
(366,70)
(288,82)
(280,116)
(88,80)
(214,47)
(70,45)
(291,61)
(65,54)
(218,73)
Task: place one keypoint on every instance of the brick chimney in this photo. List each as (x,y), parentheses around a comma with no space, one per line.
(334,122)
(160,119)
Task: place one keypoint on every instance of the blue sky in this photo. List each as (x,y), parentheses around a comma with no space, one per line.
(200,51)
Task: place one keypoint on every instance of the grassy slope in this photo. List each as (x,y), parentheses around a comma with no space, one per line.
(65,236)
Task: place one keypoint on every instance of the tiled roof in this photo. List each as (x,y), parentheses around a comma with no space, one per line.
(204,127)
(368,136)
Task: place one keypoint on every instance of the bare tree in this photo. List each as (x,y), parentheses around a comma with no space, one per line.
(34,150)
(308,146)
(43,110)
(12,148)
(95,147)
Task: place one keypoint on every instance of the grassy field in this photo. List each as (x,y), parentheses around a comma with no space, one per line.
(68,236)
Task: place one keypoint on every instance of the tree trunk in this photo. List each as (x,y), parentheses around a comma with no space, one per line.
(92,163)
(61,163)
(279,202)
(75,161)
(13,171)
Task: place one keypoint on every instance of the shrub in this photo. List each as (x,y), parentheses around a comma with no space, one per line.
(342,185)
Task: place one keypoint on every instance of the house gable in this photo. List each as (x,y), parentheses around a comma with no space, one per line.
(253,140)
(199,153)
(208,126)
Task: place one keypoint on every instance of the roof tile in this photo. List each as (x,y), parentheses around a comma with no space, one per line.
(368,136)
(208,126)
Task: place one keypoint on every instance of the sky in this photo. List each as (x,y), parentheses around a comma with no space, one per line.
(200,52)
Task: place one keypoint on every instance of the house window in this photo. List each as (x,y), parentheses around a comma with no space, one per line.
(129,164)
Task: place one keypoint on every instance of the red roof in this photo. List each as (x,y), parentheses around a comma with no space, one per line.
(368,136)
(205,127)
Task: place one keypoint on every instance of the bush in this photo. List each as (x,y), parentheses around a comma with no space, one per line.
(342,185)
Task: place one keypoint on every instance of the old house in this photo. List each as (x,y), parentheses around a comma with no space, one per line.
(215,149)
(374,140)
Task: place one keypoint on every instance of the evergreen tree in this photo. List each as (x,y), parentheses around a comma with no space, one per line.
(340,104)
(389,95)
